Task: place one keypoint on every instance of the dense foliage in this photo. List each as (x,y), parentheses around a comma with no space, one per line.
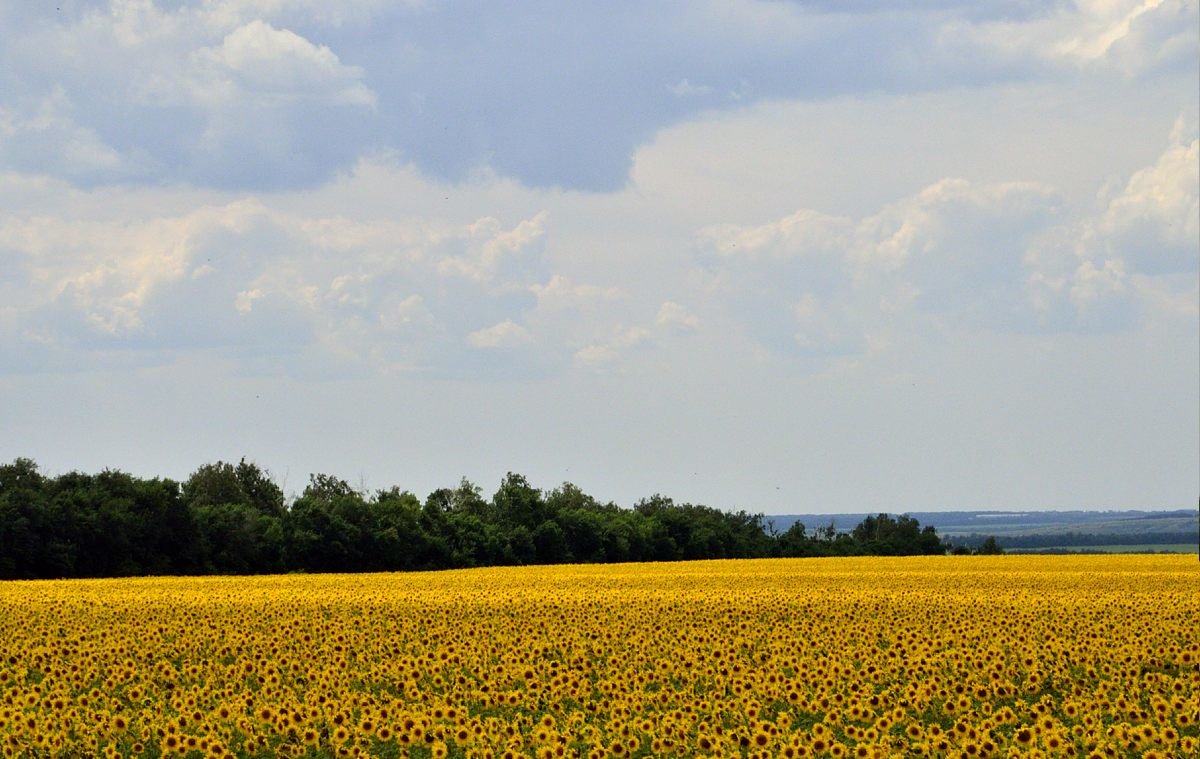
(233,519)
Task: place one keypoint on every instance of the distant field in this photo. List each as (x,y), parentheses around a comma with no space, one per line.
(1127,531)
(1102,524)
(945,656)
(1143,548)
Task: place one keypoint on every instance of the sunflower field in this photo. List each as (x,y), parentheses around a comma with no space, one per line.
(1032,656)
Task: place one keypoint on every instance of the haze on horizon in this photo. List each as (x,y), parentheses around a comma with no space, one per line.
(787,257)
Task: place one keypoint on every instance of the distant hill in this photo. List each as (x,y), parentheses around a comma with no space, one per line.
(1039,530)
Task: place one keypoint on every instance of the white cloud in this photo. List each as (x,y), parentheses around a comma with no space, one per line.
(104,270)
(1012,256)
(246,273)
(818,285)
(561,294)
(1092,284)
(499,258)
(1154,222)
(44,138)
(406,313)
(826,328)
(227,13)
(1132,36)
(344,271)
(267,94)
(803,233)
(595,355)
(244,302)
(611,350)
(184,91)
(957,248)
(1143,237)
(676,318)
(278,66)
(506,334)
(684,88)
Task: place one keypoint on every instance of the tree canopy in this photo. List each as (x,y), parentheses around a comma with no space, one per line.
(234,519)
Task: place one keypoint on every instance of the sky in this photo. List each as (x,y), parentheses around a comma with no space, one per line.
(786,257)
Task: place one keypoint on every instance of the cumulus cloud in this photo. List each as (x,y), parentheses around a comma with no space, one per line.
(957,248)
(676,318)
(246,277)
(1090,272)
(1154,222)
(499,258)
(407,313)
(42,136)
(610,350)
(165,284)
(188,92)
(560,294)
(277,66)
(771,275)
(226,13)
(684,88)
(1130,36)
(1133,35)
(769,269)
(506,334)
(1012,256)
(267,94)
(805,233)
(272,94)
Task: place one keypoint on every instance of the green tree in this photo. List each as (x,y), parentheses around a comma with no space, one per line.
(989,547)
(550,543)
(400,542)
(237,538)
(794,542)
(467,498)
(22,512)
(885,535)
(568,496)
(326,527)
(517,503)
(244,483)
(583,529)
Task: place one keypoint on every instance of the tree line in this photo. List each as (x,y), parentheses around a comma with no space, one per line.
(234,519)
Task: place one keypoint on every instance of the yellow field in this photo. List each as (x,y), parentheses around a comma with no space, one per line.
(944,656)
